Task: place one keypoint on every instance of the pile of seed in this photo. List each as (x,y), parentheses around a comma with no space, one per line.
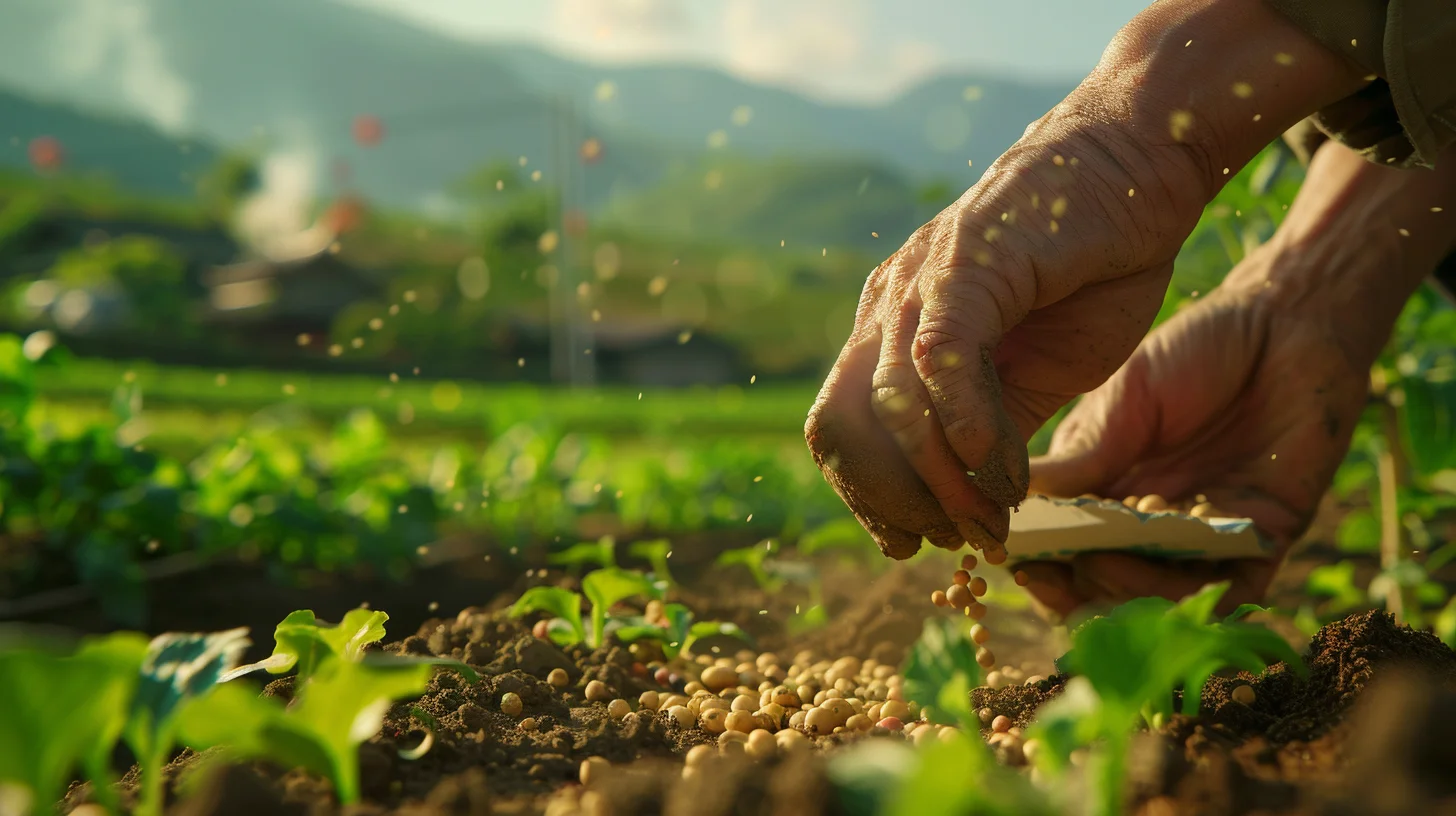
(1198,506)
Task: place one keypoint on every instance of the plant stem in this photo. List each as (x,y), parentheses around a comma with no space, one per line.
(1392,473)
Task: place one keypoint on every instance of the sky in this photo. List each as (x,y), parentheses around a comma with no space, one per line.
(853,50)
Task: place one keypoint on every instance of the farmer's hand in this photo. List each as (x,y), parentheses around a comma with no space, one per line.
(1041,280)
(1250,395)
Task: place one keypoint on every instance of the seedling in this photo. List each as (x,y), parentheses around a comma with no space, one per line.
(681,632)
(656,553)
(754,558)
(603,588)
(566,627)
(941,670)
(304,641)
(601,554)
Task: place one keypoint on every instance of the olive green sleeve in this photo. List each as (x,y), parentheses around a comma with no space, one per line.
(1407,114)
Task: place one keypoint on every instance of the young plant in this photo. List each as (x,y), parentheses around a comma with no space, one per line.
(605,588)
(303,641)
(342,705)
(67,710)
(177,667)
(565,627)
(941,670)
(656,553)
(1132,660)
(680,632)
(754,558)
(601,554)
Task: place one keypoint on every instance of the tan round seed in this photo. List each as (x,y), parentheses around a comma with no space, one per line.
(1151,503)
(528,724)
(995,556)
(1131,501)
(791,741)
(558,678)
(597,692)
(1021,578)
(961,577)
(938,598)
(820,721)
(784,696)
(717,678)
(682,716)
(740,721)
(593,770)
(859,722)
(976,611)
(649,700)
(978,586)
(510,704)
(968,562)
(744,702)
(732,742)
(896,709)
(1244,695)
(1001,724)
(980,634)
(796,720)
(713,720)
(619,708)
(958,596)
(697,755)
(985,657)
(761,745)
(1203,510)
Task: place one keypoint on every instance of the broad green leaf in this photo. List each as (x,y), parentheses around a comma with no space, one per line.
(1243,610)
(1428,423)
(306,642)
(563,603)
(941,670)
(605,588)
(594,553)
(656,553)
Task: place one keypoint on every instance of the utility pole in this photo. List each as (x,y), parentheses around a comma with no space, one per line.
(573,360)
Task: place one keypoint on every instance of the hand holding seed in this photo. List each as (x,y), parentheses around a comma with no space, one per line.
(1041,280)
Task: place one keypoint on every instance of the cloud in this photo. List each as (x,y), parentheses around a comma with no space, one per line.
(112,43)
(626,28)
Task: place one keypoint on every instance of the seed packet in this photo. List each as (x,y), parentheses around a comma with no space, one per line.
(1050,529)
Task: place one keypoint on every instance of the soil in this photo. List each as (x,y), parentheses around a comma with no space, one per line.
(1366,731)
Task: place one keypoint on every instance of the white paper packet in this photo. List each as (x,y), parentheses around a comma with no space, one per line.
(1049,529)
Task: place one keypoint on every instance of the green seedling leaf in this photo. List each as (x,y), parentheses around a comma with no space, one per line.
(601,554)
(656,553)
(753,558)
(958,776)
(304,641)
(1243,610)
(68,710)
(563,603)
(178,666)
(941,670)
(606,588)
(814,617)
(338,709)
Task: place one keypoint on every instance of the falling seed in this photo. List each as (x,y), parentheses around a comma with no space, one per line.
(927,412)
(970,162)
(1284,59)
(1404,233)
(1258,116)
(535,175)
(639,396)
(1131,192)
(1179,123)
(1058,160)
(781,242)
(1022,579)
(1435,209)
(824,253)
(288,388)
(752,378)
(1242,90)
(1354,41)
(1273,456)
(750,517)
(874,235)
(520,363)
(1185,45)
(1225,171)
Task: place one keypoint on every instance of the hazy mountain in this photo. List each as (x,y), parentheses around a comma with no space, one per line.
(294,74)
(124,152)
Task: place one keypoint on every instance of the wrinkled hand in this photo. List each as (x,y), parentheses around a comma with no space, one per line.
(1248,396)
(1031,289)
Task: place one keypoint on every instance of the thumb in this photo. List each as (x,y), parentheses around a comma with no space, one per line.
(1100,439)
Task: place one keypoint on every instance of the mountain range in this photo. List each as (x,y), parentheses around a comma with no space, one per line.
(297,75)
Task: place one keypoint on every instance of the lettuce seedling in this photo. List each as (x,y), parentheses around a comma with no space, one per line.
(680,633)
(656,553)
(566,628)
(340,707)
(177,667)
(941,670)
(66,710)
(301,640)
(1129,663)
(606,588)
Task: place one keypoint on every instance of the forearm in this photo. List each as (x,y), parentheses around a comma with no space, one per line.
(1358,239)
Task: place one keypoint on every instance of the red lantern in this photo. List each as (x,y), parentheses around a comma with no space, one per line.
(344,215)
(368,130)
(591,151)
(46,154)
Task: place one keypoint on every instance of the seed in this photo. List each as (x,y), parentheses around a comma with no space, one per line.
(978,586)
(784,696)
(1203,510)
(1130,501)
(1151,503)
(528,724)
(976,611)
(995,680)
(744,702)
(892,723)
(841,709)
(985,657)
(961,577)
(541,630)
(697,755)
(558,678)
(1244,695)
(980,634)
(740,721)
(1001,724)
(985,715)
(619,708)
(713,720)
(858,722)
(732,742)
(995,555)
(938,598)
(762,745)
(820,721)
(593,769)
(968,562)
(1033,680)
(717,678)
(682,716)
(510,704)
(693,687)
(662,676)
(597,692)
(1022,579)
(1029,749)
(796,720)
(958,596)
(894,708)
(791,741)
